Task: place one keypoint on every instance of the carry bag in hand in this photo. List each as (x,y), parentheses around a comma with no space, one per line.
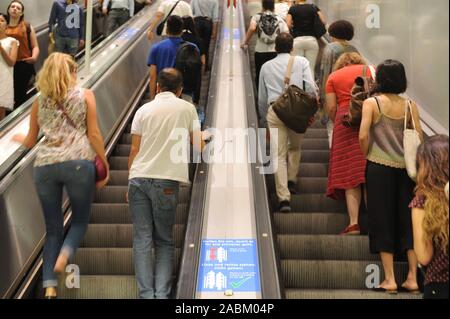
(411,142)
(160,28)
(295,107)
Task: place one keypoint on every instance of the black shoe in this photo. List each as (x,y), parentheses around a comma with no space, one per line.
(292,188)
(285,207)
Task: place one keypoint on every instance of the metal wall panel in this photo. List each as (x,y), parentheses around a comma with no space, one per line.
(414,32)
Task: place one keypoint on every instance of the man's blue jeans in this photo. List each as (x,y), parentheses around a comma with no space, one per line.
(66,45)
(153,205)
(78,177)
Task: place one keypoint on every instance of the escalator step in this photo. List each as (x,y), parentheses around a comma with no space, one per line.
(315,156)
(332,274)
(122,150)
(110,261)
(344,294)
(118,163)
(125,139)
(316,133)
(119,214)
(315,144)
(317,124)
(325,247)
(316,185)
(313,170)
(310,223)
(105,287)
(121,235)
(316,203)
(118,178)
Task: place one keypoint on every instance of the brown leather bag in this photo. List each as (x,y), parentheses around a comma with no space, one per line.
(295,107)
(362,90)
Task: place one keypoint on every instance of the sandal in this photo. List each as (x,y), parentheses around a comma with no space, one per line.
(351,230)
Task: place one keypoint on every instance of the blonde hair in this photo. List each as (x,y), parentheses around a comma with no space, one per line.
(346,59)
(432,176)
(56,77)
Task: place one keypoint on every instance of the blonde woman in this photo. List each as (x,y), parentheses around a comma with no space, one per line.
(430,215)
(66,115)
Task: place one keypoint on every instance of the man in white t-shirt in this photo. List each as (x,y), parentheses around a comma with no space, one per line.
(181,8)
(156,169)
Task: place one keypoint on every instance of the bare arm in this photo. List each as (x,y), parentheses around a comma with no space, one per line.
(158,17)
(94,134)
(135,147)
(423,248)
(331,105)
(29,141)
(366,123)
(10,58)
(197,140)
(153,78)
(214,30)
(322,17)
(35,48)
(289,21)
(251,30)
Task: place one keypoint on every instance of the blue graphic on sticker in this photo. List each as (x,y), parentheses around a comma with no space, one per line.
(229,264)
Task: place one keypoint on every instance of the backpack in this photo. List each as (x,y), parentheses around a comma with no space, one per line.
(268,28)
(189,63)
(361,91)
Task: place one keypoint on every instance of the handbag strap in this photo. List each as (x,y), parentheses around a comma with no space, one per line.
(170,12)
(64,112)
(409,107)
(287,77)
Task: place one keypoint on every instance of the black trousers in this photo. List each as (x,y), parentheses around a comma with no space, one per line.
(260,59)
(435,291)
(389,192)
(204,27)
(23,72)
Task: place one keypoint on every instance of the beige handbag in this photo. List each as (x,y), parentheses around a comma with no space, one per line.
(411,142)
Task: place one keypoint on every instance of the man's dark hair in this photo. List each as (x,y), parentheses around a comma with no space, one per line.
(284,43)
(5,16)
(391,78)
(268,5)
(174,25)
(170,80)
(342,30)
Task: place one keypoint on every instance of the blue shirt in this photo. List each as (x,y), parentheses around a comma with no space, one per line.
(163,53)
(271,80)
(66,20)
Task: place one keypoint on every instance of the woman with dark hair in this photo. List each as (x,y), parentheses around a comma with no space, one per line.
(28,50)
(389,188)
(341,32)
(430,215)
(190,34)
(267,25)
(8,56)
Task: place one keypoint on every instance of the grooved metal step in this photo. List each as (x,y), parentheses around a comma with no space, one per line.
(316,133)
(313,170)
(325,247)
(316,203)
(120,235)
(317,185)
(310,223)
(314,143)
(344,294)
(106,287)
(333,274)
(110,261)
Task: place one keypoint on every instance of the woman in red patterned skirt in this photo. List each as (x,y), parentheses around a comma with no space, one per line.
(347,165)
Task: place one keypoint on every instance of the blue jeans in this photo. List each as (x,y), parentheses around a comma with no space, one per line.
(78,177)
(66,45)
(153,205)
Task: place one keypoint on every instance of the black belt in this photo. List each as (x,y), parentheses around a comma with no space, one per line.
(119,9)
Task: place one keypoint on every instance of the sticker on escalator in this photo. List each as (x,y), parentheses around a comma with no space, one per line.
(229,264)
